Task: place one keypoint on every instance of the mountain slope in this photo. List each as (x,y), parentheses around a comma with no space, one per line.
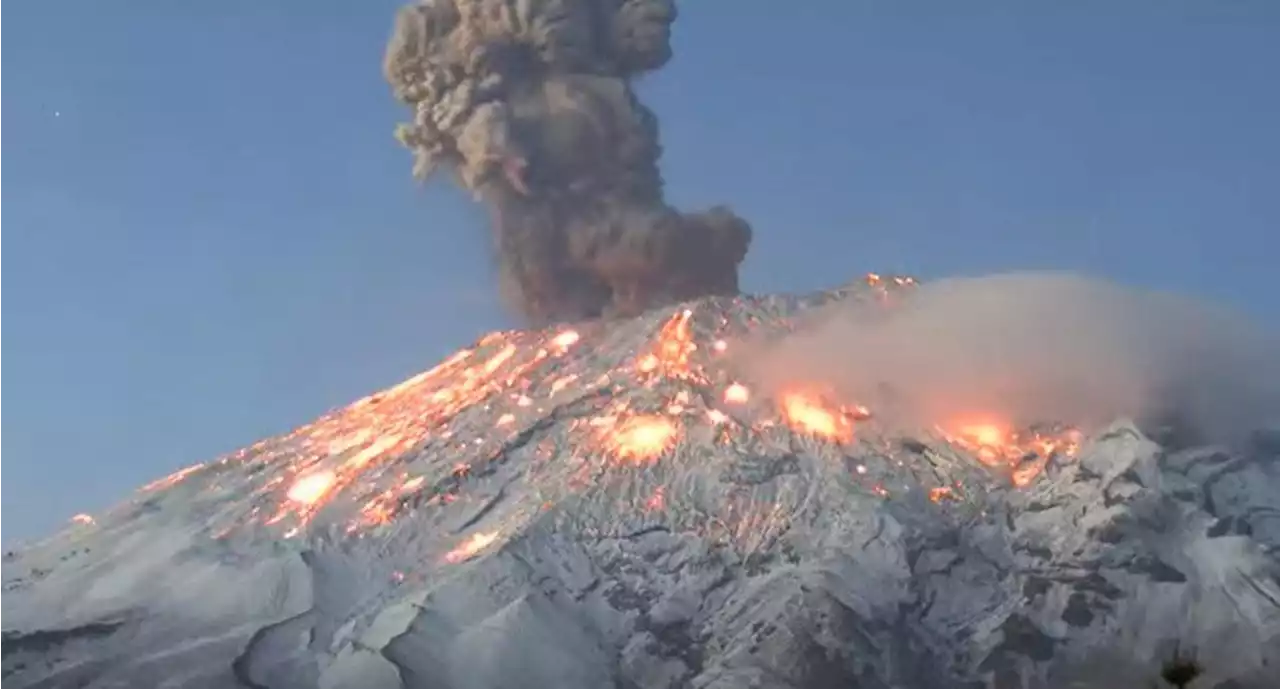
(605,506)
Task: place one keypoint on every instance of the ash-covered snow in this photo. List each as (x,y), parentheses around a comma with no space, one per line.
(746,555)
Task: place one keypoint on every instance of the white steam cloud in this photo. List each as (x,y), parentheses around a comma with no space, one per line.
(1034,348)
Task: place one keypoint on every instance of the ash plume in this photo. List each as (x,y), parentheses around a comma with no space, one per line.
(1035,348)
(530,105)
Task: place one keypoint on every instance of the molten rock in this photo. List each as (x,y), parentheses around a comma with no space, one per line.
(611,506)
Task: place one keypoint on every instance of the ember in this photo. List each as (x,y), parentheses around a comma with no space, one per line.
(308,490)
(471,547)
(736,394)
(1024,455)
(644,437)
(809,414)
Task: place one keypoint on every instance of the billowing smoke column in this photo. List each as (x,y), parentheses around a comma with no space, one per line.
(530,104)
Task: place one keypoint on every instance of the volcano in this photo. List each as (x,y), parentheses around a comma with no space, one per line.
(609,505)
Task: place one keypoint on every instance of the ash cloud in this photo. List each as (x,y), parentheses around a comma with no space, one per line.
(1031,348)
(530,105)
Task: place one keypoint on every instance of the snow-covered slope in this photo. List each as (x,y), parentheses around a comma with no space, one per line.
(606,506)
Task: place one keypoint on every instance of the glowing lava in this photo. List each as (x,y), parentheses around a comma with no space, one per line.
(1023,455)
(309,489)
(672,351)
(385,454)
(808,414)
(736,393)
(644,438)
(987,434)
(471,547)
(566,339)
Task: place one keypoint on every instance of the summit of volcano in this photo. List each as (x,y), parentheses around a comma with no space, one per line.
(619,504)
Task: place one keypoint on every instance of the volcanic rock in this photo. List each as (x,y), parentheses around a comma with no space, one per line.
(586,507)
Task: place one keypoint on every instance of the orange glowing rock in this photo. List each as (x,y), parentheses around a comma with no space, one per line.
(995,445)
(499,359)
(310,489)
(372,452)
(647,363)
(657,501)
(988,434)
(644,437)
(471,547)
(810,415)
(940,493)
(736,393)
(172,479)
(673,348)
(566,339)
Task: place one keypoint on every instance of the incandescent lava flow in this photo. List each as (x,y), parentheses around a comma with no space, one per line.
(579,405)
(579,492)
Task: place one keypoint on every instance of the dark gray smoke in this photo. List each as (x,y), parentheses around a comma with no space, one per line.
(529,103)
(1035,348)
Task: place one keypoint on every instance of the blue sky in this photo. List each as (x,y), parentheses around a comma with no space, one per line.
(216,238)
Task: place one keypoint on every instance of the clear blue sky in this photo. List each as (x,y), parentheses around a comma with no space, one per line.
(217,238)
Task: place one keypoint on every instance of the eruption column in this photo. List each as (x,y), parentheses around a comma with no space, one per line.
(530,105)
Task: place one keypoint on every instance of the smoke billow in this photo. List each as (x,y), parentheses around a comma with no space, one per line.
(530,104)
(1036,348)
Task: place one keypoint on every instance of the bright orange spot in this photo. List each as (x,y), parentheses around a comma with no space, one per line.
(566,339)
(940,493)
(736,394)
(673,348)
(172,479)
(471,547)
(987,434)
(1024,456)
(644,437)
(309,489)
(1024,475)
(412,484)
(368,454)
(656,501)
(561,383)
(499,359)
(810,415)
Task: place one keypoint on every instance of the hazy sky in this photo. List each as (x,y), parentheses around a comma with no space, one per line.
(213,236)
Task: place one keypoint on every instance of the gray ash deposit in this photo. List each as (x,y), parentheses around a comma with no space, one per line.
(631,504)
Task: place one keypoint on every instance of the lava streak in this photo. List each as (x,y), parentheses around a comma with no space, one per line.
(471,547)
(672,351)
(395,450)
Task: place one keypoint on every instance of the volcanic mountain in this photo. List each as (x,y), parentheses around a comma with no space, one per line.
(609,505)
